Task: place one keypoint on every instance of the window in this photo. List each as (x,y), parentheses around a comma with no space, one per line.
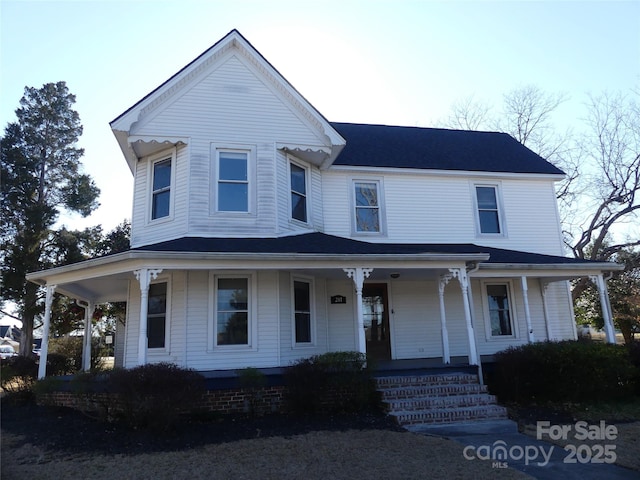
(161,190)
(157,315)
(488,212)
(499,308)
(367,207)
(232,311)
(233,181)
(298,179)
(302,311)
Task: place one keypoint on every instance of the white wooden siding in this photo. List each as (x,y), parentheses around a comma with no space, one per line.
(288,352)
(143,231)
(314,197)
(422,208)
(265,351)
(414,321)
(229,106)
(342,327)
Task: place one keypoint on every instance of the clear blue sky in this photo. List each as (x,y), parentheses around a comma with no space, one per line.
(394,62)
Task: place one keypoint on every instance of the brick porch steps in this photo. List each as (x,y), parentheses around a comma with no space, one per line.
(438,398)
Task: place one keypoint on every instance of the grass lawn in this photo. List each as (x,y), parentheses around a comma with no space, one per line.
(55,444)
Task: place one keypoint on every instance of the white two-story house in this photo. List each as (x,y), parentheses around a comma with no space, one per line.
(263,233)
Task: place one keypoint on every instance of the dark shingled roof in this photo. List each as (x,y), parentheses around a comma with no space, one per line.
(438,149)
(320,243)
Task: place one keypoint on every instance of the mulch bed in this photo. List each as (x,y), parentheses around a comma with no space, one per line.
(68,430)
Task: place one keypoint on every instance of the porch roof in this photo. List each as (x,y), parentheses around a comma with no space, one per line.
(324,244)
(106,278)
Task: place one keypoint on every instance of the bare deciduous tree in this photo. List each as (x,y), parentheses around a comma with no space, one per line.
(469,114)
(611,156)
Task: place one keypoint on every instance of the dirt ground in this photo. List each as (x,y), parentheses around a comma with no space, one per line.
(42,443)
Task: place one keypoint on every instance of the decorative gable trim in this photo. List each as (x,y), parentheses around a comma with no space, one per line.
(233,41)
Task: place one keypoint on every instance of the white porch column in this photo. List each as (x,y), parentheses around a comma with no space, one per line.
(44,349)
(461,275)
(545,308)
(358,275)
(144,276)
(446,355)
(527,311)
(86,347)
(604,304)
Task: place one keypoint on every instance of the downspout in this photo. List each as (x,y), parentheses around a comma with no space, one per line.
(473,267)
(605,279)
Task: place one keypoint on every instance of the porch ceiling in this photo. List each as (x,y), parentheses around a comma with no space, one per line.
(111,288)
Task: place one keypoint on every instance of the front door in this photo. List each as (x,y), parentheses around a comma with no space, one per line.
(375,308)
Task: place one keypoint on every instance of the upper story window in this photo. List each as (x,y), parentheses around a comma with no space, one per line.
(298,182)
(498,309)
(302,311)
(488,208)
(233,181)
(157,315)
(368,218)
(161,189)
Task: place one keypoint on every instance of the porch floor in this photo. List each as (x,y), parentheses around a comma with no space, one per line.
(422,366)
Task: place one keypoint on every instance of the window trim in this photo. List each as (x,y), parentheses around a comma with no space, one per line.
(250,151)
(382,225)
(497,187)
(167,322)
(153,160)
(515,334)
(307,173)
(252,342)
(312,313)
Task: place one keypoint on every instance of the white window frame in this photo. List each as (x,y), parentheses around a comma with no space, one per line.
(312,314)
(307,183)
(252,339)
(250,151)
(153,160)
(381,207)
(512,310)
(167,322)
(497,188)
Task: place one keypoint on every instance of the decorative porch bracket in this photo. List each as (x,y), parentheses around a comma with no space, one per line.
(358,276)
(86,347)
(144,276)
(44,349)
(461,275)
(606,307)
(446,355)
(527,310)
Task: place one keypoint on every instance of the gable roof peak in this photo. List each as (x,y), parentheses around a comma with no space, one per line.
(123,124)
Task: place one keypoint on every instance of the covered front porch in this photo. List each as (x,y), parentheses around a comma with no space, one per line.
(393,302)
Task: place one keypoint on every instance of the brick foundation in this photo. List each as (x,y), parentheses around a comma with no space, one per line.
(258,400)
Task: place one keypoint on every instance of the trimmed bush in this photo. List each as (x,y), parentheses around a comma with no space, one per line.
(17,376)
(566,371)
(155,395)
(334,382)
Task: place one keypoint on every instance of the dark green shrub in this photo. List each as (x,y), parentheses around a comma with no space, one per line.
(334,382)
(634,355)
(58,364)
(17,376)
(566,371)
(155,395)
